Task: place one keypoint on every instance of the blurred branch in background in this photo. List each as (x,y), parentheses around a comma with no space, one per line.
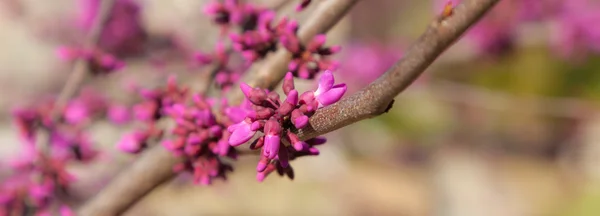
(377,98)
(81,66)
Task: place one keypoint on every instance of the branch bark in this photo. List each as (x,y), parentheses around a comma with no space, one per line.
(153,168)
(155,165)
(377,97)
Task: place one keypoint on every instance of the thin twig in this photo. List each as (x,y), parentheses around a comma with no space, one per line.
(155,165)
(79,71)
(377,97)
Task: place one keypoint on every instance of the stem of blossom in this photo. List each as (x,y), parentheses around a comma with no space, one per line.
(80,69)
(376,98)
(273,69)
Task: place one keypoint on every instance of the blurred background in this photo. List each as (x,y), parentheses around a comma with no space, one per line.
(504,123)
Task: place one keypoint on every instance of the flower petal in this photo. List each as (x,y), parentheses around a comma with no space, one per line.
(325,83)
(332,96)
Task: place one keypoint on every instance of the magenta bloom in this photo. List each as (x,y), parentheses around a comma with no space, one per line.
(224,75)
(365,62)
(278,119)
(68,139)
(118,114)
(308,60)
(233,12)
(255,44)
(198,136)
(31,187)
(123,34)
(133,142)
(574,35)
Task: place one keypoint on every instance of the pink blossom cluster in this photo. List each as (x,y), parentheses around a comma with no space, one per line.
(200,138)
(67,135)
(225,75)
(259,33)
(255,44)
(33,187)
(199,135)
(310,59)
(38,176)
(149,111)
(364,62)
(230,13)
(575,32)
(207,129)
(279,119)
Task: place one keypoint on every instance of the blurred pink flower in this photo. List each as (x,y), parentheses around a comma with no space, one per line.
(363,63)
(123,33)
(118,114)
(575,31)
(495,33)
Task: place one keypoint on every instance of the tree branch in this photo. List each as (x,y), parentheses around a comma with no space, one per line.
(79,71)
(377,97)
(80,67)
(155,165)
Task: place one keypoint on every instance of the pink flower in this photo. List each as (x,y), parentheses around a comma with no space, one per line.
(365,62)
(279,119)
(240,133)
(308,60)
(76,112)
(133,142)
(118,114)
(573,34)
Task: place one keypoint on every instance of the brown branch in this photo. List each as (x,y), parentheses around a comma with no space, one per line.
(154,166)
(377,97)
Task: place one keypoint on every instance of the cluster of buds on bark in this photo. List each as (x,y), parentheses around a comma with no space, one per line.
(278,120)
